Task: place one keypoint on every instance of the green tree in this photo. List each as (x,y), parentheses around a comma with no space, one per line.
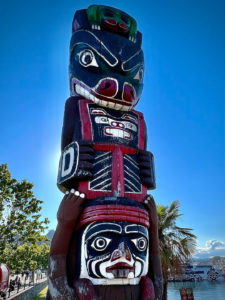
(19,213)
(27,256)
(177,244)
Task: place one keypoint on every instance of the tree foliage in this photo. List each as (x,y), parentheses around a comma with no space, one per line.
(27,256)
(19,213)
(176,243)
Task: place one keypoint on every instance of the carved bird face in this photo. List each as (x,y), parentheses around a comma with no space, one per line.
(114,253)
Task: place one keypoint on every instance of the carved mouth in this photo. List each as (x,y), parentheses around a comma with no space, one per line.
(117,132)
(120,270)
(104,101)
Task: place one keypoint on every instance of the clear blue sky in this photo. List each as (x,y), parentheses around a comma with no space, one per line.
(183,99)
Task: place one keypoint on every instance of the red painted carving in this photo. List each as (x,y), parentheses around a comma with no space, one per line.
(105,169)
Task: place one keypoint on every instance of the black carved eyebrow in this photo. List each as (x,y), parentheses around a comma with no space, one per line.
(82,36)
(100,228)
(134,61)
(134,228)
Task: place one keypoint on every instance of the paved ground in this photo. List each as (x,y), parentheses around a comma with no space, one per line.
(25,284)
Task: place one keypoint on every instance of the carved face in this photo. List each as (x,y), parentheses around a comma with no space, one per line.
(106,68)
(114,253)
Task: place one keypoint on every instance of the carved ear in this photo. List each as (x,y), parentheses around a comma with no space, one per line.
(80,20)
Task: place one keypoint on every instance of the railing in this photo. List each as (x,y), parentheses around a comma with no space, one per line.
(18,285)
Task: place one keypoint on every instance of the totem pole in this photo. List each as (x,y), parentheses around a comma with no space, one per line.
(106,242)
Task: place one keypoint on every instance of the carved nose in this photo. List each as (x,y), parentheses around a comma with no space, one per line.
(107,87)
(122,251)
(129,93)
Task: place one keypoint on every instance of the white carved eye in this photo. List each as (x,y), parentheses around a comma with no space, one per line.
(141,243)
(87,58)
(100,243)
(140,74)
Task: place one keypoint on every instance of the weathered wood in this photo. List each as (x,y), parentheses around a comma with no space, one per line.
(119,292)
(106,242)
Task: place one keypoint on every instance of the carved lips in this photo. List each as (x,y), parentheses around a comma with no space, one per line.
(120,270)
(104,94)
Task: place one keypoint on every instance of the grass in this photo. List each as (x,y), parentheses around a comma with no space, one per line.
(41,295)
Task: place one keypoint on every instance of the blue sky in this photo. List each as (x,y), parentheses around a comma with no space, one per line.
(183,100)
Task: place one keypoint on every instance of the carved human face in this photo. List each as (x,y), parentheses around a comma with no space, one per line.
(114,253)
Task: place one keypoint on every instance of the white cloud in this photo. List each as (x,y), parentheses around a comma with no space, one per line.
(211,248)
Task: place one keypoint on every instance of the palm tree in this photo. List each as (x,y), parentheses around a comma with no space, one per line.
(176,243)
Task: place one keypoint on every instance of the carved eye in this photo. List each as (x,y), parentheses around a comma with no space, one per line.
(141,243)
(124,18)
(100,243)
(87,58)
(108,13)
(139,75)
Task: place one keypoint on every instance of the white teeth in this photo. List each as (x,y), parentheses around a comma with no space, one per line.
(82,195)
(83,92)
(96,100)
(72,191)
(80,90)
(92,97)
(125,108)
(131,275)
(104,103)
(118,106)
(111,105)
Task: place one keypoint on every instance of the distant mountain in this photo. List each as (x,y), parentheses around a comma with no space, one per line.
(217,261)
(195,259)
(50,234)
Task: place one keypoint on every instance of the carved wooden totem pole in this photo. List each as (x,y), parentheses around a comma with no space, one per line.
(106,242)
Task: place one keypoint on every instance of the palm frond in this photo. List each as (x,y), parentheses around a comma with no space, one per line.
(177,244)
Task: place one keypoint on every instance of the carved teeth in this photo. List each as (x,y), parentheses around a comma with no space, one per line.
(83,92)
(120,273)
(92,97)
(118,106)
(96,100)
(104,103)
(131,275)
(87,95)
(125,108)
(111,105)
